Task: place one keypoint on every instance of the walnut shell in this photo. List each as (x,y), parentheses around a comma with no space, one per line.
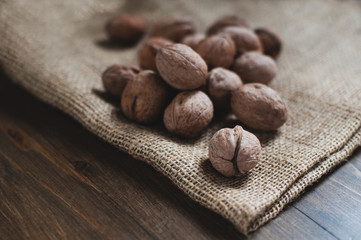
(271,42)
(173,28)
(146,54)
(217,51)
(244,39)
(234,152)
(259,107)
(221,83)
(116,77)
(255,67)
(181,67)
(126,28)
(193,40)
(227,21)
(144,98)
(188,114)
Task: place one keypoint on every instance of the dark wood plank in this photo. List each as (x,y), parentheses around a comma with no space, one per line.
(93,206)
(83,172)
(292,224)
(335,203)
(29,211)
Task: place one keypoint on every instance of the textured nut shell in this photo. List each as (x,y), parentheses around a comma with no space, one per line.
(181,67)
(271,42)
(259,107)
(254,67)
(173,28)
(193,40)
(221,83)
(222,148)
(116,77)
(227,21)
(234,152)
(244,39)
(217,51)
(126,28)
(249,152)
(188,114)
(148,51)
(144,98)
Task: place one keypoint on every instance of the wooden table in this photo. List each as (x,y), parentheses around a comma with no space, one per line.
(59,181)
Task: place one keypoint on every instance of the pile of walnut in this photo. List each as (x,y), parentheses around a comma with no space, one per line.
(183,77)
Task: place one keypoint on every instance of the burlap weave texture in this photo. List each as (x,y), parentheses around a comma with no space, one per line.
(57,51)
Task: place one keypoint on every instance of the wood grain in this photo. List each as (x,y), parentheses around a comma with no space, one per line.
(59,181)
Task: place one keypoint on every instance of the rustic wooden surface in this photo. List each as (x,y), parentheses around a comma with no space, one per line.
(59,181)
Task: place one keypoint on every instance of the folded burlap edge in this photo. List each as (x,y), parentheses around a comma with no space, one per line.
(312,176)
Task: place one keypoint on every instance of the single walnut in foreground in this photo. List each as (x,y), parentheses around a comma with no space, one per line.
(217,50)
(147,53)
(173,28)
(244,39)
(271,42)
(116,77)
(126,28)
(188,114)
(181,67)
(144,98)
(227,21)
(259,107)
(221,83)
(234,152)
(254,67)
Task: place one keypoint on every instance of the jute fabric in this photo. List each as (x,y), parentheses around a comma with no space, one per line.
(57,50)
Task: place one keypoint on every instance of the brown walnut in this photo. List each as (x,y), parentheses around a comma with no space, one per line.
(181,67)
(144,98)
(234,152)
(146,54)
(126,28)
(221,83)
(255,67)
(259,107)
(116,77)
(188,114)
(244,39)
(227,21)
(271,42)
(193,40)
(217,50)
(173,28)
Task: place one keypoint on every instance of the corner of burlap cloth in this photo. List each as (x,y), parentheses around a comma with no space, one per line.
(57,51)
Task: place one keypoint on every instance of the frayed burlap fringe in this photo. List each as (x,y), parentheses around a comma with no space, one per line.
(57,51)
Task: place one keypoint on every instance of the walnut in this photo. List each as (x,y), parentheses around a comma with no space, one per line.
(221,83)
(116,77)
(192,40)
(126,28)
(234,152)
(146,54)
(173,28)
(188,114)
(144,98)
(255,67)
(181,67)
(217,51)
(271,42)
(227,21)
(259,107)
(244,39)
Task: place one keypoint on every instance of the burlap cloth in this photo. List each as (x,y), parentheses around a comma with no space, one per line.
(57,51)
